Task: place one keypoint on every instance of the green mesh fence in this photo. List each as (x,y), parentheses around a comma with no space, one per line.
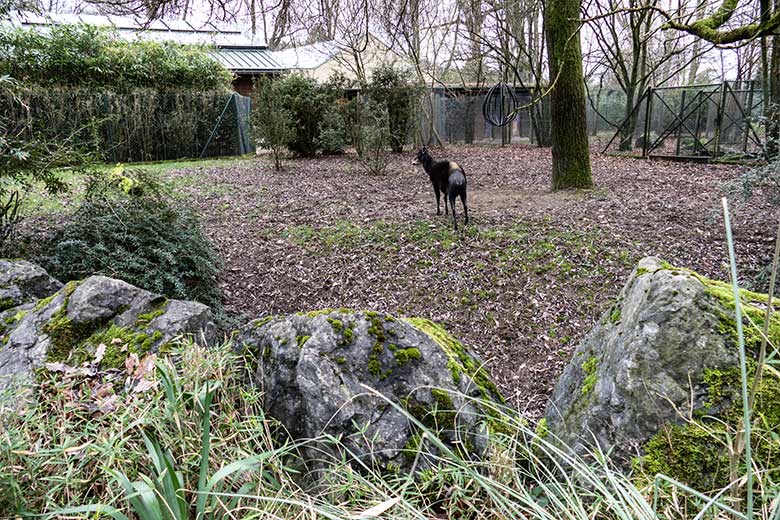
(144,125)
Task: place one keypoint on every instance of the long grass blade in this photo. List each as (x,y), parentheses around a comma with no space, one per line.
(746,411)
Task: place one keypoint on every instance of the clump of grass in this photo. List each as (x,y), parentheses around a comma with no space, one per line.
(200,428)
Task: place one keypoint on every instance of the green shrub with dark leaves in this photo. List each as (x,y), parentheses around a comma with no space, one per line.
(89,56)
(307,102)
(128,228)
(390,89)
(333,131)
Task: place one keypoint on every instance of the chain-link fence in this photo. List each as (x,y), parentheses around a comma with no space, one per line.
(139,126)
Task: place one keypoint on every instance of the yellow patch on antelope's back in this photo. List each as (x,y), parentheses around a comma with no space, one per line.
(454,166)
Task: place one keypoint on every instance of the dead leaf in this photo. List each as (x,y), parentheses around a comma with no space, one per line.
(100,352)
(378,509)
(144,385)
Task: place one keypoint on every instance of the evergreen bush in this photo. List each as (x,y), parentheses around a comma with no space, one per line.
(94,57)
(390,90)
(128,228)
(307,103)
(272,122)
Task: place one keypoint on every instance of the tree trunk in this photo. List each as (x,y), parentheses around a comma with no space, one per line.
(773,103)
(570,152)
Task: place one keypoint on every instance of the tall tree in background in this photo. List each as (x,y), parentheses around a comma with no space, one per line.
(570,152)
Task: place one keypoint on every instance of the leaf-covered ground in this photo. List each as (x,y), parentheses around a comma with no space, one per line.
(530,276)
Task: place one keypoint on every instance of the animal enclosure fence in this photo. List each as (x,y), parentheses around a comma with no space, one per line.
(699,122)
(137,126)
(456,116)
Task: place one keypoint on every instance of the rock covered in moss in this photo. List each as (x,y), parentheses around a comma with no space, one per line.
(650,367)
(69,326)
(341,372)
(22,282)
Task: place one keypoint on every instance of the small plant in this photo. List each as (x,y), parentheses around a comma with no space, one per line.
(128,228)
(762,179)
(371,136)
(273,123)
(333,132)
(389,89)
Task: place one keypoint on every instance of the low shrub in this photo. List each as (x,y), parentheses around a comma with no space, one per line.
(333,131)
(271,121)
(370,135)
(307,103)
(128,228)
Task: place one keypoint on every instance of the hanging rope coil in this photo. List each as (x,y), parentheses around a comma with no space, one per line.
(500,105)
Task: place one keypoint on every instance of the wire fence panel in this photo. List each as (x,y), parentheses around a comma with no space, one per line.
(699,122)
(140,126)
(455,113)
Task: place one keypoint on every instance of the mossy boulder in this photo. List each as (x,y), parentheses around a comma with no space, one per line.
(660,369)
(69,327)
(22,282)
(347,373)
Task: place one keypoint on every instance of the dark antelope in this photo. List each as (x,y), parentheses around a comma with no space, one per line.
(448,178)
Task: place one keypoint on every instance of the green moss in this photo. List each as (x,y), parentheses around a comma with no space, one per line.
(43,302)
(402,356)
(348,335)
(377,329)
(70,287)
(262,321)
(688,454)
(589,367)
(302,340)
(320,312)
(6,303)
(615,316)
(267,352)
(459,361)
(337,325)
(157,336)
(65,334)
(641,271)
(145,319)
(341,360)
(16,318)
(374,365)
(119,342)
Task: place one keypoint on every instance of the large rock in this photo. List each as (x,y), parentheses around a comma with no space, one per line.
(317,370)
(650,364)
(68,327)
(22,282)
